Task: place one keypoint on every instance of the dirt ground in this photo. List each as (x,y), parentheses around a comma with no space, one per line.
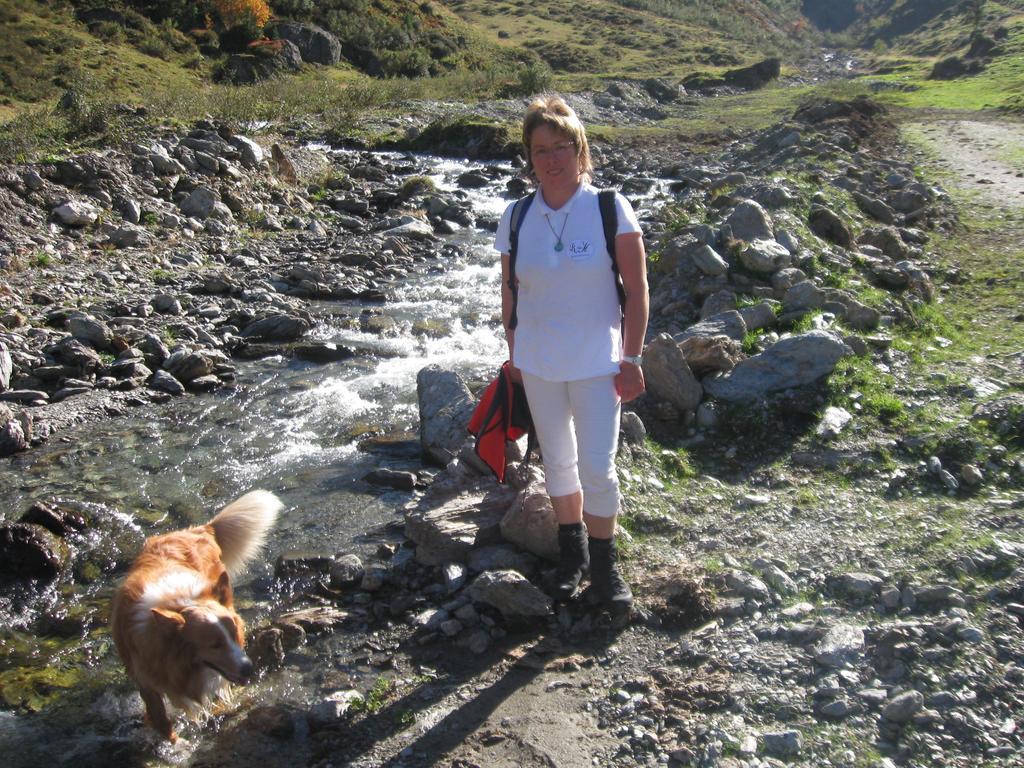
(987,157)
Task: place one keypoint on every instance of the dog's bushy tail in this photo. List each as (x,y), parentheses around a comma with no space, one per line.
(241,528)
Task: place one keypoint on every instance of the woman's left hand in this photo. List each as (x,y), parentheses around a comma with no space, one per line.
(629,382)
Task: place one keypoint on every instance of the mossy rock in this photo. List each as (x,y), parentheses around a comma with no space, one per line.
(466,136)
(30,552)
(32,689)
(432,327)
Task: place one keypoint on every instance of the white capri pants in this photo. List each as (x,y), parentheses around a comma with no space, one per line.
(577,426)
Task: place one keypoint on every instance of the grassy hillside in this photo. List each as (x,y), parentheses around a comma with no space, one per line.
(638,37)
(905,67)
(400,38)
(135,58)
(931,27)
(46,51)
(471,49)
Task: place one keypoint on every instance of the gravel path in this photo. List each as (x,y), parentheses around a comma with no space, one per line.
(985,156)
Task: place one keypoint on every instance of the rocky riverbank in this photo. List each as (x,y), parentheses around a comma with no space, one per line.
(796,601)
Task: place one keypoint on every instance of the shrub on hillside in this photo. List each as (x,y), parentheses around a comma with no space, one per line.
(408,62)
(206,40)
(237,39)
(531,78)
(253,14)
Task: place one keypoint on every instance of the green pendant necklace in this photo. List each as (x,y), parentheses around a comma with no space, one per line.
(558,235)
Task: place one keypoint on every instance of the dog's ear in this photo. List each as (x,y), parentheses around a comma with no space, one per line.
(167,619)
(222,590)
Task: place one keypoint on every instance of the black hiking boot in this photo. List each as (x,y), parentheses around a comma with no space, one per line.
(573,560)
(607,587)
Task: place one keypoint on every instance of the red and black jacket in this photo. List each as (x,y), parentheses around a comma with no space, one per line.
(501,415)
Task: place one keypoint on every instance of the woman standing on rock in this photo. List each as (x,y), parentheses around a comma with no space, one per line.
(576,337)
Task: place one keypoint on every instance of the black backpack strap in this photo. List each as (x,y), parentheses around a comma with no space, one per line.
(610,222)
(519,210)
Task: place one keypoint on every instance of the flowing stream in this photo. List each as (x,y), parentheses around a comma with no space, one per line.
(288,426)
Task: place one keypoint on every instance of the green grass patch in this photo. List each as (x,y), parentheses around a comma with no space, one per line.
(858,385)
(375,699)
(416,185)
(676,465)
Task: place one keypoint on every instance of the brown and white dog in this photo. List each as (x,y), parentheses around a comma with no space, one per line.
(172,619)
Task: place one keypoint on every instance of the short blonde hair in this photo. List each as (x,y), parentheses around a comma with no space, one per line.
(553,112)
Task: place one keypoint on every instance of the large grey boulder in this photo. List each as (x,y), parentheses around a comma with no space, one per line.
(71,352)
(765,256)
(13,431)
(749,221)
(709,261)
(902,708)
(445,407)
(277,327)
(200,203)
(531,524)
(129,236)
(886,239)
(446,530)
(668,375)
(88,329)
(252,153)
(793,362)
(805,295)
(829,225)
(758,316)
(245,68)
(511,593)
(710,354)
(75,213)
(316,45)
(186,365)
(164,164)
(163,381)
(874,207)
(729,324)
(415,228)
(841,645)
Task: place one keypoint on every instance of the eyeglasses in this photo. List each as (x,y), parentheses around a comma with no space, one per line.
(561,149)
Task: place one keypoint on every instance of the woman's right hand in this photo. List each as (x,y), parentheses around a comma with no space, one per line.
(515,374)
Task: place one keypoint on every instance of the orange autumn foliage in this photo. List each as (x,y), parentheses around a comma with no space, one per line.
(234,13)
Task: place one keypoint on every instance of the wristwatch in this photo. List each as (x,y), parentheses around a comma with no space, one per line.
(634,359)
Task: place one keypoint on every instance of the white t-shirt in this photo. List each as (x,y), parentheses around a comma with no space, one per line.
(568,311)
